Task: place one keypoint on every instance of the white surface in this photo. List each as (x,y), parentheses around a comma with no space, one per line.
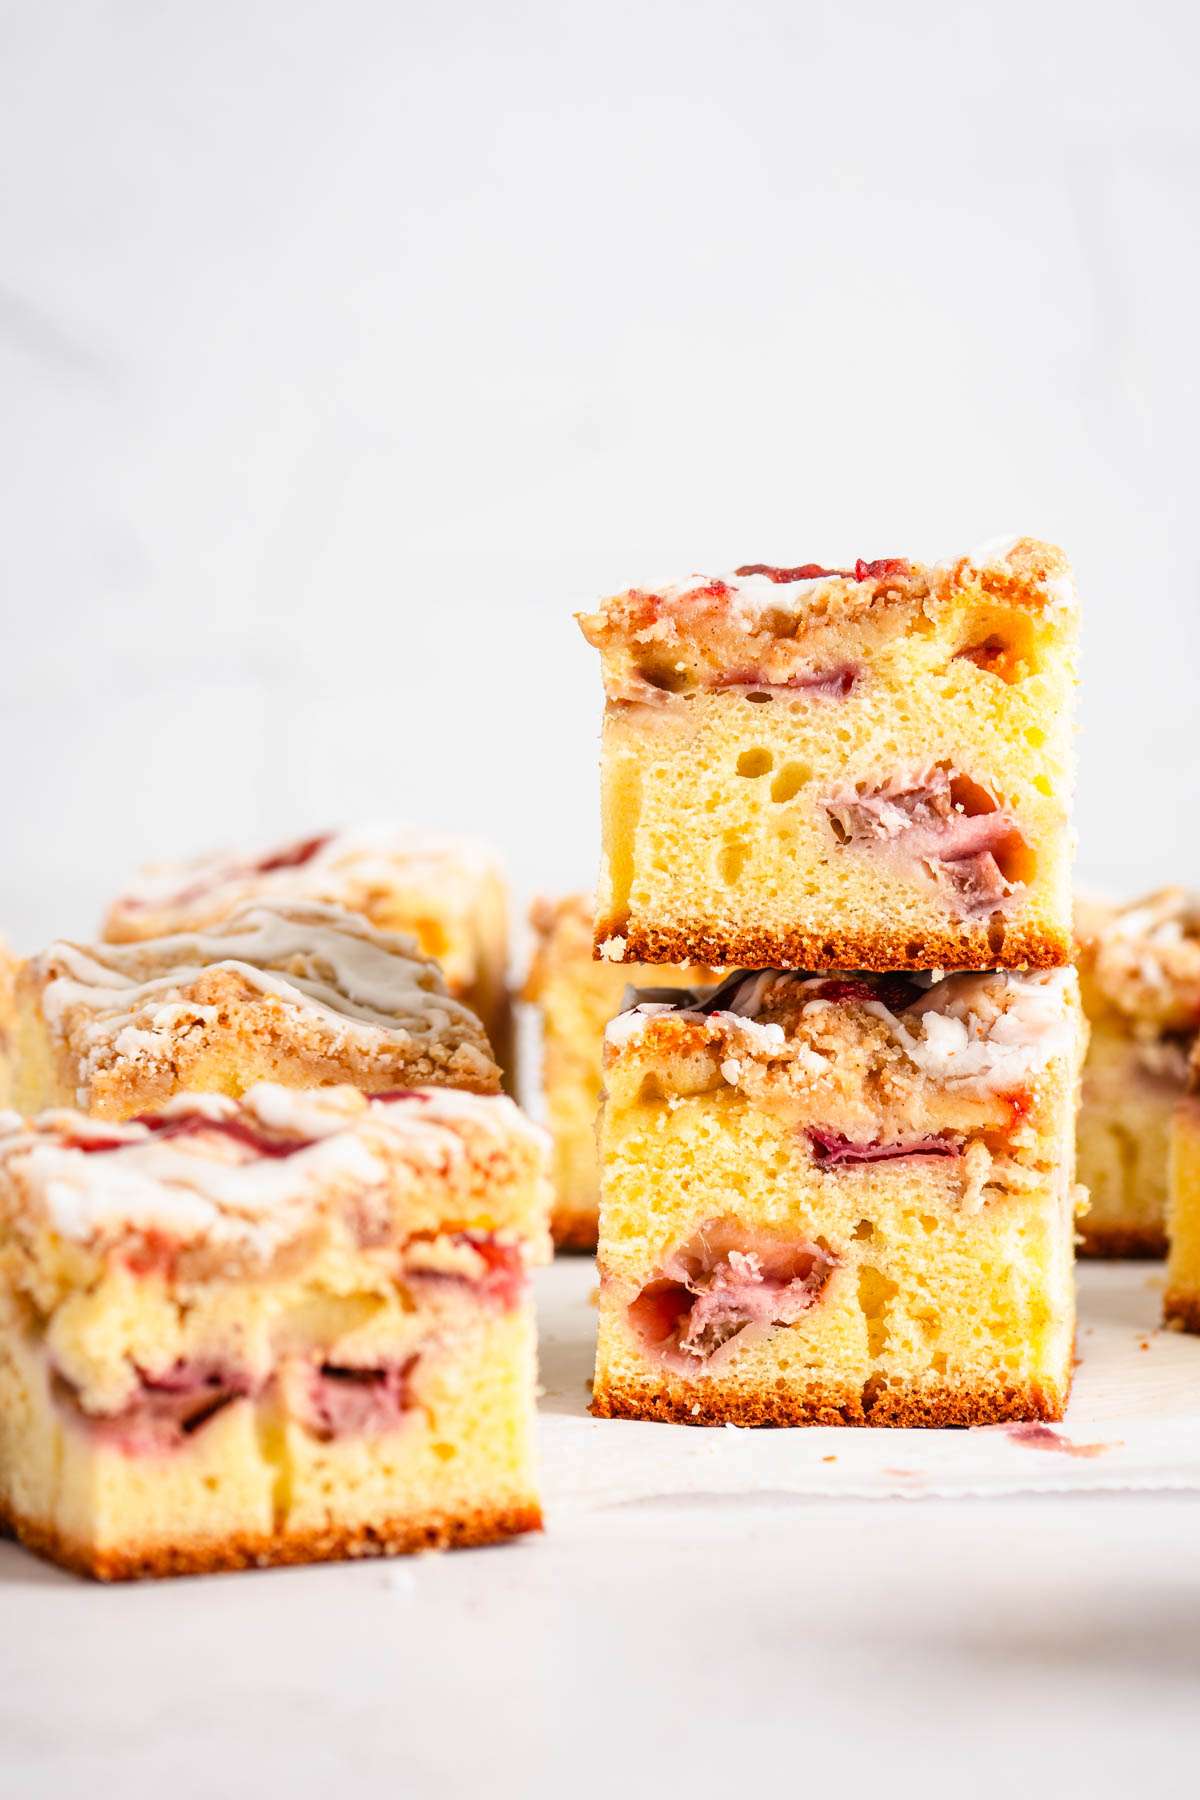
(344,347)
(685,1642)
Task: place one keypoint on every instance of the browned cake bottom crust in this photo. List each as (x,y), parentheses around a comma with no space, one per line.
(1182,1309)
(575,1231)
(689,1403)
(1141,1243)
(971,947)
(396,1537)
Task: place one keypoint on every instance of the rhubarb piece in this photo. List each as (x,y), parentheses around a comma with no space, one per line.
(447,892)
(723,1291)
(288,1329)
(1139,966)
(575,997)
(841,768)
(843,1200)
(942,825)
(833,1150)
(303,994)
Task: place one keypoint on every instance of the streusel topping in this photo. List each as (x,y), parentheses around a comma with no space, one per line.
(313,956)
(256,1174)
(768,627)
(993,1031)
(1144,958)
(337,868)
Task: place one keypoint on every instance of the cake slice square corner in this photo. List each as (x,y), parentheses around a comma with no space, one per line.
(841,1201)
(863,768)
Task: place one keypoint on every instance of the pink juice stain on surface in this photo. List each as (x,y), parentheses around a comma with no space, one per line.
(1042,1437)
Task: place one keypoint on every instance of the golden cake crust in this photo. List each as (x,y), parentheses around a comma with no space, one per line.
(677,1402)
(575,1227)
(1122,1243)
(1182,1309)
(404,1536)
(964,947)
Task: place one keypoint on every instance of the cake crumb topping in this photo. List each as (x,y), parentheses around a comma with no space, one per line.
(992,1030)
(253,1174)
(132,1001)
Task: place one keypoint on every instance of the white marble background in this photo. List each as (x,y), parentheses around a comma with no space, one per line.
(344,347)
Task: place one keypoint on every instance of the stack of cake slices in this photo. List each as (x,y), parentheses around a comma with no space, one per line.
(267,1222)
(838,1187)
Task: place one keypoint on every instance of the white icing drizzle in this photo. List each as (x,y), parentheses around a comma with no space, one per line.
(215,1188)
(314,957)
(992,1030)
(753,595)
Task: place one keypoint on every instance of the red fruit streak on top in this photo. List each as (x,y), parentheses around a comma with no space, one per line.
(802,572)
(879,570)
(194,1125)
(294,856)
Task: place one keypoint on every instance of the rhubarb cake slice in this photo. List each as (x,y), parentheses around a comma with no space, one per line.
(8,975)
(575,997)
(299,993)
(289,1329)
(840,1200)
(841,768)
(1181,1306)
(1139,968)
(447,892)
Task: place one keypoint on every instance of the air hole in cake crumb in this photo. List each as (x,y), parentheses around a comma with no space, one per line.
(732,861)
(864,1229)
(939,1362)
(790,779)
(758,699)
(753,763)
(650,1093)
(996,934)
(667,680)
(872,1388)
(1044,785)
(447,1452)
(1035,737)
(876,1291)
(928,1222)
(912,951)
